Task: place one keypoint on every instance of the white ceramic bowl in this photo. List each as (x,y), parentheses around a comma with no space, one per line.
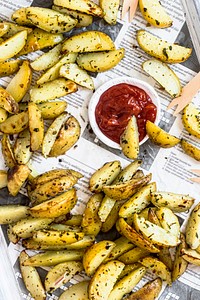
(97,94)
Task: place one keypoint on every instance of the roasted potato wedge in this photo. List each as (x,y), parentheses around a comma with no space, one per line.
(101,61)
(83,20)
(180,264)
(138,201)
(12,237)
(3,29)
(50,20)
(3,115)
(155,14)
(155,234)
(13,45)
(88,41)
(79,289)
(16,178)
(104,279)
(191,256)
(9,67)
(129,140)
(67,136)
(160,137)
(52,258)
(57,237)
(157,267)
(105,207)
(15,123)
(137,239)
(122,245)
(12,213)
(85,6)
(31,278)
(20,83)
(51,110)
(36,126)
(122,191)
(39,39)
(73,72)
(91,222)
(104,175)
(176,202)
(191,119)
(7,102)
(51,90)
(55,207)
(110,10)
(190,149)
(19,17)
(165,256)
(61,274)
(193,228)
(168,220)
(7,152)
(95,255)
(15,28)
(3,179)
(158,48)
(164,75)
(149,291)
(21,148)
(133,255)
(112,216)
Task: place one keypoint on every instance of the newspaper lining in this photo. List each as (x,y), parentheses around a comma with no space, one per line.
(171,168)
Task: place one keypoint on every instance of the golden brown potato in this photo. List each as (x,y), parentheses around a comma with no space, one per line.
(191,119)
(16,178)
(149,291)
(190,150)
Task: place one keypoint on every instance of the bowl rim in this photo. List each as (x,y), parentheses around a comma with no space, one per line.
(105,86)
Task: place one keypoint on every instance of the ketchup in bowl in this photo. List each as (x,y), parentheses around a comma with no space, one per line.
(118,104)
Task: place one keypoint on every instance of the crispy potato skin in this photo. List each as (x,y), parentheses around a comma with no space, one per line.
(150,291)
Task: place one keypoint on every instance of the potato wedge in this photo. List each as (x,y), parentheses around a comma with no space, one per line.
(122,191)
(155,14)
(25,227)
(9,67)
(133,255)
(73,72)
(149,291)
(83,20)
(57,237)
(137,239)
(39,39)
(50,20)
(122,245)
(61,274)
(129,140)
(15,28)
(190,150)
(155,234)
(176,202)
(165,256)
(164,75)
(53,72)
(85,6)
(138,201)
(12,213)
(95,255)
(19,17)
(101,61)
(191,256)
(7,102)
(60,227)
(91,223)
(73,220)
(112,216)
(126,284)
(3,29)
(3,179)
(191,119)
(105,208)
(13,45)
(7,152)
(20,83)
(31,278)
(88,41)
(15,123)
(48,59)
(158,48)
(104,175)
(157,267)
(160,137)
(180,264)
(52,258)
(168,220)
(110,10)
(16,178)
(51,110)
(193,228)
(104,279)
(67,136)
(36,126)
(51,90)
(55,207)
(21,148)
(79,289)
(12,237)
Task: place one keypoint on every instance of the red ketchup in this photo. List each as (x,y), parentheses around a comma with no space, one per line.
(118,104)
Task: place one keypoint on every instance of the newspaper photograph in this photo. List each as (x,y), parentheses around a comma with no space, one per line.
(171,168)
